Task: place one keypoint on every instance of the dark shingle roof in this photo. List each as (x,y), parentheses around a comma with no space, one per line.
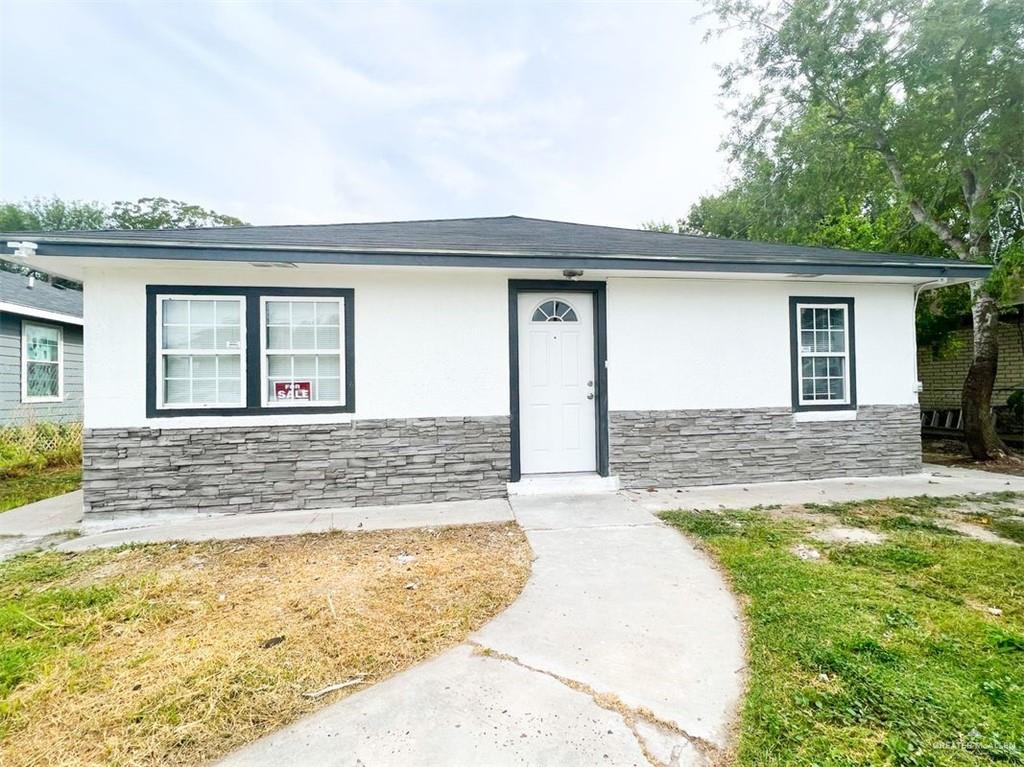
(505,241)
(14,289)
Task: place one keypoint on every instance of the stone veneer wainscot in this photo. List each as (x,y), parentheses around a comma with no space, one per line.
(371,462)
(678,448)
(267,468)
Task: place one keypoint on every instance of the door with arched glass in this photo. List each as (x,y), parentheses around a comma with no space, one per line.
(557,407)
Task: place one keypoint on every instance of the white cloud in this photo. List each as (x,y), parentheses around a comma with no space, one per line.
(306,113)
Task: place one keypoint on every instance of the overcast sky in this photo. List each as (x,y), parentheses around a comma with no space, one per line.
(317,113)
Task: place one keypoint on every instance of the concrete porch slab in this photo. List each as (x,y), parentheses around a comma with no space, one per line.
(563,484)
(559,512)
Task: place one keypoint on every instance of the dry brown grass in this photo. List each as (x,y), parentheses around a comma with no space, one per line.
(173,668)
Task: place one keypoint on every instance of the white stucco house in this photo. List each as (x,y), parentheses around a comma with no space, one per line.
(262,368)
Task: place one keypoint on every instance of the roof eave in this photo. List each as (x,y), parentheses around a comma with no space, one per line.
(233,253)
(9,307)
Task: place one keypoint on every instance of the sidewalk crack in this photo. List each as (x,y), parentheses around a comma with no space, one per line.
(631,715)
(618,526)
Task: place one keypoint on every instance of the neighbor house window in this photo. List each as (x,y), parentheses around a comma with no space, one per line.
(823,359)
(216,350)
(42,361)
(301,348)
(201,351)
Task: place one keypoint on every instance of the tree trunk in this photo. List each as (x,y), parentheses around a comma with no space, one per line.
(976,398)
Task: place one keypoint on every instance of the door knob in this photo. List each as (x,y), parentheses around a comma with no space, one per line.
(590,396)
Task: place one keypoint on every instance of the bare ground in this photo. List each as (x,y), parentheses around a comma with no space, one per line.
(945,452)
(178,653)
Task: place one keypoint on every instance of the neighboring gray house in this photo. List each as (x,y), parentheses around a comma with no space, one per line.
(40,351)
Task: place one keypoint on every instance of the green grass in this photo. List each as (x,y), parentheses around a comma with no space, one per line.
(35,486)
(34,622)
(875,655)
(1009,528)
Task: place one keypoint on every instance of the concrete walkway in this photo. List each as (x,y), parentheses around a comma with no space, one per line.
(230,526)
(48,522)
(46,517)
(41,524)
(625,648)
(935,481)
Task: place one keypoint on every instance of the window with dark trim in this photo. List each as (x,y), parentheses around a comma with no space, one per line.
(213,350)
(822,345)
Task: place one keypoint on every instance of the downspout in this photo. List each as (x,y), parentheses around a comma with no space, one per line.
(942,281)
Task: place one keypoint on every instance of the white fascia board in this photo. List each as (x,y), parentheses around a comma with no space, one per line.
(40,314)
(75,267)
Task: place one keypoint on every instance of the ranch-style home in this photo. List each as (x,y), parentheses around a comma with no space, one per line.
(281,367)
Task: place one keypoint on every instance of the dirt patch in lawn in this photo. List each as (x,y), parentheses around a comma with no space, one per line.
(178,653)
(945,452)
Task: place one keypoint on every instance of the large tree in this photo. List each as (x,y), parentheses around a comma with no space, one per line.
(903,119)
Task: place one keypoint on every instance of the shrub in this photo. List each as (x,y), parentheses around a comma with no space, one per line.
(35,446)
(1015,402)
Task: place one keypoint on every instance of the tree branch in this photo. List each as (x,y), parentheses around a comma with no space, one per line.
(917,209)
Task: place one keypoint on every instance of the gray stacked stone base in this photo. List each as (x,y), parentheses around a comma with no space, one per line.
(266,468)
(679,448)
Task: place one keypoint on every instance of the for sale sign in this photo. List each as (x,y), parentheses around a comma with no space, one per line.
(293,390)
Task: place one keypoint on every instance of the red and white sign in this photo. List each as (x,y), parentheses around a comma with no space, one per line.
(293,390)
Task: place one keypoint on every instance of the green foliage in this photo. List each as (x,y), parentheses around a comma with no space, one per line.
(875,655)
(22,488)
(41,214)
(33,620)
(939,313)
(28,487)
(1016,404)
(161,213)
(31,447)
(880,125)
(1011,529)
(658,226)
(1007,279)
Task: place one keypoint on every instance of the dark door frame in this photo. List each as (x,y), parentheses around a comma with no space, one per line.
(600,330)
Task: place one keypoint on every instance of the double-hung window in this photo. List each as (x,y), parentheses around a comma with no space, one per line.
(42,363)
(201,351)
(232,351)
(824,375)
(302,359)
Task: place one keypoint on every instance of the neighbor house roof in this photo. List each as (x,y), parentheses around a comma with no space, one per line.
(510,241)
(20,294)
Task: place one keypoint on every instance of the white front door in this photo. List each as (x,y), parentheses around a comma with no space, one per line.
(557,385)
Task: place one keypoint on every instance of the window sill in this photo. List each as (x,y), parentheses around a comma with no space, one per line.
(40,400)
(195,412)
(248,420)
(803,416)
